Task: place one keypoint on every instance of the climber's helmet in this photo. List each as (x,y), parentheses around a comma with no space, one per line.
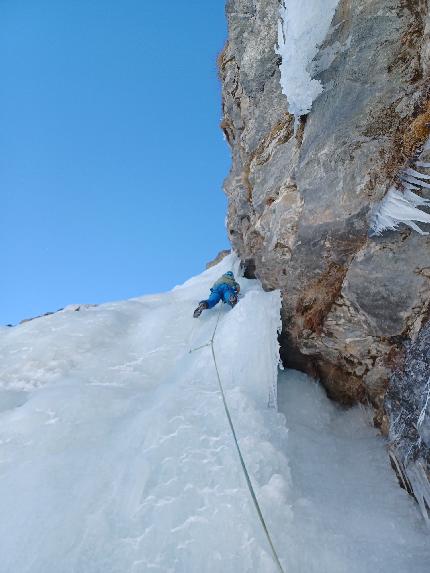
(229,274)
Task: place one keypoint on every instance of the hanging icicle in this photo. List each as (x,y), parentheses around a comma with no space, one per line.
(401,203)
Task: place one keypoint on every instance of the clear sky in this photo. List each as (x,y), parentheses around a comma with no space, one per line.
(111,156)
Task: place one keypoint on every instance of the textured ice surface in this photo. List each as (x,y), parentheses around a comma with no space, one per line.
(115,453)
(302,28)
(116,457)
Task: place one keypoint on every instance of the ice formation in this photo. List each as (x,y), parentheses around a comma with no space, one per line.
(400,205)
(302,27)
(116,455)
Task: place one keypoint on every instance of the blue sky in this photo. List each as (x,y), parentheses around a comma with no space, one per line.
(111,156)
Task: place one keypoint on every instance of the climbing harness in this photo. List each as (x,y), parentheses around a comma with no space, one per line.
(239,452)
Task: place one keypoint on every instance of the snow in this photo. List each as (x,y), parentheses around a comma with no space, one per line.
(345,500)
(116,455)
(302,28)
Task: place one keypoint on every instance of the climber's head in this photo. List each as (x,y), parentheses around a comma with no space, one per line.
(229,274)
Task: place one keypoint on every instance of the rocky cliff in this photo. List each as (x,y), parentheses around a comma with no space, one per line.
(301,190)
(408,406)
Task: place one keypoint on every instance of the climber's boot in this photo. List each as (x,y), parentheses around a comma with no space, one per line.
(233,300)
(202,306)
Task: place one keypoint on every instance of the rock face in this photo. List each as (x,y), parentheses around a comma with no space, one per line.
(408,407)
(299,202)
(69,308)
(220,256)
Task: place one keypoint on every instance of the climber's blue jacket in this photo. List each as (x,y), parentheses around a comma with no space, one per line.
(223,289)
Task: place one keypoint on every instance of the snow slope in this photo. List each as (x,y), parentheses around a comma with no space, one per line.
(116,455)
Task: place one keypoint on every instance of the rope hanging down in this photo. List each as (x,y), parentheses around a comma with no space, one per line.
(239,452)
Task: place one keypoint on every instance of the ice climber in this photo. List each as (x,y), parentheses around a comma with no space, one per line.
(225,289)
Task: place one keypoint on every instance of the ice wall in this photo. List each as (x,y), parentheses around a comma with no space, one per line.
(115,451)
(302,28)
(116,455)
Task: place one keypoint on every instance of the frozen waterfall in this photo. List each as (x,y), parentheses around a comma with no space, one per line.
(116,455)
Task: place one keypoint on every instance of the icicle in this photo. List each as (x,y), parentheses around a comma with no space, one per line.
(414,173)
(415,199)
(414,180)
(396,208)
(410,186)
(401,205)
